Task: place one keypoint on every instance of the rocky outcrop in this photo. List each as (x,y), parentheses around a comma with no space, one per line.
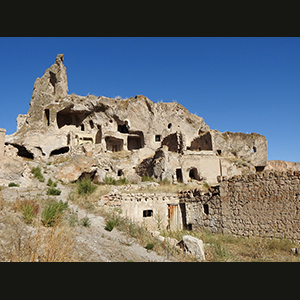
(179,145)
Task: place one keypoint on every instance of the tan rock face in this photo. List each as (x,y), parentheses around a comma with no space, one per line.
(58,123)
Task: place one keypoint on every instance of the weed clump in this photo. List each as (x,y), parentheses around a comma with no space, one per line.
(51,183)
(85,186)
(12,184)
(110,224)
(53,191)
(53,212)
(37,174)
(28,208)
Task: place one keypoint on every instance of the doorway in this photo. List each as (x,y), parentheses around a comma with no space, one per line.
(179,175)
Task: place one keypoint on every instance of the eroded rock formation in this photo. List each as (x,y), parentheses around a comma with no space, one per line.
(133,137)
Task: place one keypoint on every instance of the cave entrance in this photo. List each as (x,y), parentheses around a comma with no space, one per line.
(193,174)
(114,144)
(61,150)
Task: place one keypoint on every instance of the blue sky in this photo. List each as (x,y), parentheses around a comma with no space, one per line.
(248,84)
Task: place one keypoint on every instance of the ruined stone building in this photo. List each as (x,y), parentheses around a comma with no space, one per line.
(129,137)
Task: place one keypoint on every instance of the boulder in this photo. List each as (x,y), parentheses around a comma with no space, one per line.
(71,170)
(193,245)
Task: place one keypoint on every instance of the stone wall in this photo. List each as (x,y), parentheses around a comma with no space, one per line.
(265,204)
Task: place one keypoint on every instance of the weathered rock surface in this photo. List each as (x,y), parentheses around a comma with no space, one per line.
(193,246)
(281,165)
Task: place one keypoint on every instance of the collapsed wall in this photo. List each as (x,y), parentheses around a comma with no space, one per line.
(265,204)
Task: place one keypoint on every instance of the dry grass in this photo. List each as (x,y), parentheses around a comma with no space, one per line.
(21,243)
(225,247)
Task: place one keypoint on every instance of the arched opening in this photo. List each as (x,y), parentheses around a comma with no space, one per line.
(193,174)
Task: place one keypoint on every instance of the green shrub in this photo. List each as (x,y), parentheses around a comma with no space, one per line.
(149,246)
(37,174)
(109,180)
(53,191)
(110,224)
(51,183)
(29,209)
(122,181)
(85,186)
(53,212)
(12,184)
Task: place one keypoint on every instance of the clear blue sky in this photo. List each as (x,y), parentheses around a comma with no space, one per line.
(236,84)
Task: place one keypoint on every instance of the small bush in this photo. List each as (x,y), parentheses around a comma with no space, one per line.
(53,212)
(110,224)
(12,184)
(37,174)
(109,180)
(28,208)
(122,181)
(85,186)
(53,191)
(85,222)
(51,183)
(149,246)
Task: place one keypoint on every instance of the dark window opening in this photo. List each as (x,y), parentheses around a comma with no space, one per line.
(123,128)
(82,127)
(120,172)
(60,151)
(91,124)
(68,139)
(169,125)
(114,144)
(179,175)
(157,138)
(206,209)
(147,213)
(47,116)
(98,136)
(219,152)
(259,168)
(253,149)
(189,227)
(134,142)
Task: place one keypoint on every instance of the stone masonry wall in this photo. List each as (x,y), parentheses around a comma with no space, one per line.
(264,204)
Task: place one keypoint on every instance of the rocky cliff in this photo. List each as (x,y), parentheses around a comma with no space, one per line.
(178,145)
